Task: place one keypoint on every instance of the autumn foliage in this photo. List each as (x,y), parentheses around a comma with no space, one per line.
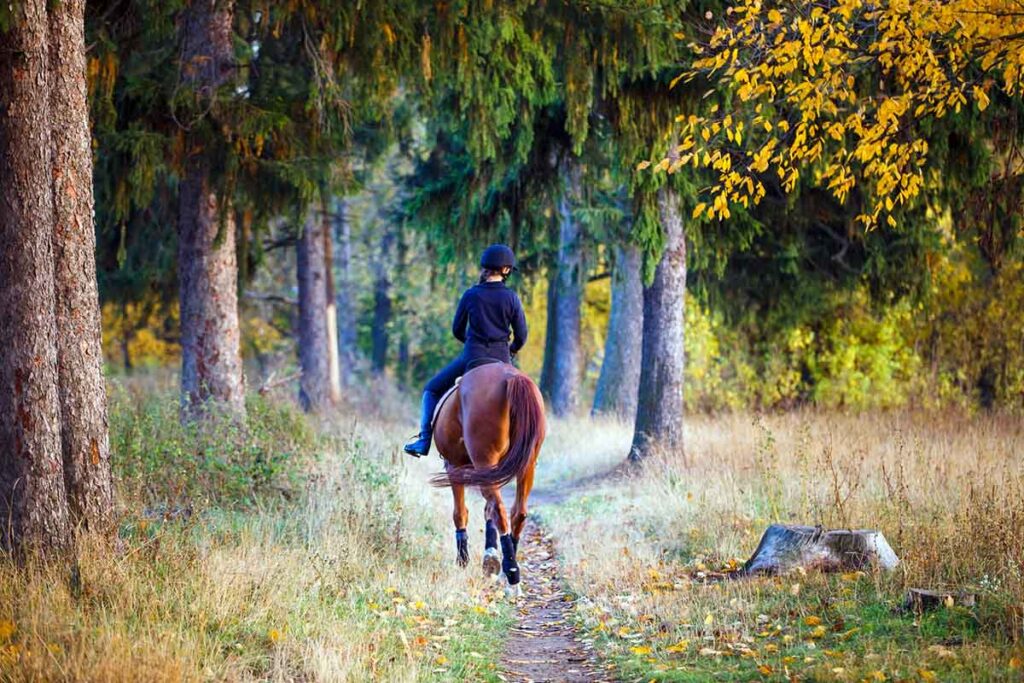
(842,92)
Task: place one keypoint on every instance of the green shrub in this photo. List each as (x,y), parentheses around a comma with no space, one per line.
(159,462)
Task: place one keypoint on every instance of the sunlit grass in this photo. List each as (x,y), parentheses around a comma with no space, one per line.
(947,491)
(351,578)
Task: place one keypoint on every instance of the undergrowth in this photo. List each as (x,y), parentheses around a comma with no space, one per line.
(284,549)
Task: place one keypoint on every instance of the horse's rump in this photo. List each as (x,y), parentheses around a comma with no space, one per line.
(526,427)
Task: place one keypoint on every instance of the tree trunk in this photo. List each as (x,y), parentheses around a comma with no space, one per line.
(345,295)
(547,370)
(34,513)
(659,415)
(382,305)
(564,303)
(83,395)
(314,357)
(620,371)
(211,361)
(331,319)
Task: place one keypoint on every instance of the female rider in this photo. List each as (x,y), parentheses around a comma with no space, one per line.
(486,314)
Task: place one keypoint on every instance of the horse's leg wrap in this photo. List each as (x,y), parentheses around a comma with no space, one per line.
(508,560)
(490,535)
(461,547)
(515,545)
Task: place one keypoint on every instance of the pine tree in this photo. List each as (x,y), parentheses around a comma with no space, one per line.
(83,397)
(211,365)
(33,497)
(314,352)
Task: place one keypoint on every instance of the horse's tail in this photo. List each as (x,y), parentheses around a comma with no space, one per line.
(525,435)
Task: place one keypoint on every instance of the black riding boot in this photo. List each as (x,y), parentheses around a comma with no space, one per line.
(421,444)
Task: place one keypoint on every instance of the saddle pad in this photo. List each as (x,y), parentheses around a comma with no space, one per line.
(444,399)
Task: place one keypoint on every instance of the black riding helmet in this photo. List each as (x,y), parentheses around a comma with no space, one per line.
(498,256)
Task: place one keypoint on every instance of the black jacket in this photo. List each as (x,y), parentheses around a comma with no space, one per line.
(486,314)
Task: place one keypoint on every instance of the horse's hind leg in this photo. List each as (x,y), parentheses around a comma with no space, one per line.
(492,558)
(524,484)
(492,513)
(461,517)
(497,513)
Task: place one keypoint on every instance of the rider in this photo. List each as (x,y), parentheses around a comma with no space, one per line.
(485,315)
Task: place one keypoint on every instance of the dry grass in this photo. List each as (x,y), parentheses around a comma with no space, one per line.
(354,581)
(948,492)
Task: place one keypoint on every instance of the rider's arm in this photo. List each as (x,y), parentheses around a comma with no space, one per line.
(461,319)
(519,331)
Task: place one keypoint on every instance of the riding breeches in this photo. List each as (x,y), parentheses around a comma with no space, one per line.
(445,380)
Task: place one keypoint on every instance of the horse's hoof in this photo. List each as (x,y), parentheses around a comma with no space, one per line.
(514,592)
(492,562)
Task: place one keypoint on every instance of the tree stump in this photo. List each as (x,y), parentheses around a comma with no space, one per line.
(785,547)
(920,600)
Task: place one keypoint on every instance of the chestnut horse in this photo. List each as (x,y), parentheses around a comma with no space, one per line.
(489,432)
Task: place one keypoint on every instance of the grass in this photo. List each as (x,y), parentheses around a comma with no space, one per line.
(295,549)
(284,551)
(947,491)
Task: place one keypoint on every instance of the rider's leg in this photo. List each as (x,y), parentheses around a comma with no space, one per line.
(442,382)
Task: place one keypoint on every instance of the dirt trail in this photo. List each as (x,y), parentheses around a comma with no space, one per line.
(544,644)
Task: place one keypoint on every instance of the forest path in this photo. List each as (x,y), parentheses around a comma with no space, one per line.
(545,645)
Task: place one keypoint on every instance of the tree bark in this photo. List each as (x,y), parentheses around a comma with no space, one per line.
(382,304)
(83,395)
(34,513)
(345,293)
(333,350)
(211,372)
(564,303)
(619,380)
(314,356)
(659,415)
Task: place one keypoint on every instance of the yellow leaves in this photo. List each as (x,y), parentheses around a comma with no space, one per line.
(698,210)
(818,632)
(709,619)
(981,97)
(812,621)
(765,670)
(274,635)
(1016,663)
(389,33)
(7,629)
(643,165)
(640,650)
(681,646)
(927,675)
(808,71)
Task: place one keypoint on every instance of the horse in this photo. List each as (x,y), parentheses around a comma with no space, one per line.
(489,430)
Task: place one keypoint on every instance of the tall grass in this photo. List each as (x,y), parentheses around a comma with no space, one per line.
(279,551)
(947,491)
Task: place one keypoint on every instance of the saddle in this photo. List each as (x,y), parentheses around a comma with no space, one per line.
(455,387)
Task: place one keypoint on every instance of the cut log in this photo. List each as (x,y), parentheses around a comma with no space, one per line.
(785,547)
(920,600)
